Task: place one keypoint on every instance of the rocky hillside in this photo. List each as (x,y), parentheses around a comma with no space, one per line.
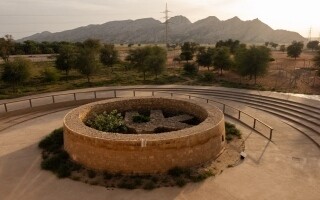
(149,30)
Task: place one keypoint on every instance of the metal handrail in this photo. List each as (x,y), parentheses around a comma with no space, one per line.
(134,90)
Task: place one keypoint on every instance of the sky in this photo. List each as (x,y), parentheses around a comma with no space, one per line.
(21,18)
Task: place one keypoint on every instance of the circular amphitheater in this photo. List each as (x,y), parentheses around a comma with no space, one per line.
(145,153)
(281,131)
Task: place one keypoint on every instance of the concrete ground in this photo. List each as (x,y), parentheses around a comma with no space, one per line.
(286,168)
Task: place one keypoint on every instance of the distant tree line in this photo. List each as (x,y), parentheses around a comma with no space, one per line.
(226,55)
(90,56)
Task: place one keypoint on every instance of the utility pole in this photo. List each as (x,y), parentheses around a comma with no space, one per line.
(310,31)
(166,17)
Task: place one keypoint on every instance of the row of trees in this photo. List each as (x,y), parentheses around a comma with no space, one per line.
(250,62)
(9,47)
(87,58)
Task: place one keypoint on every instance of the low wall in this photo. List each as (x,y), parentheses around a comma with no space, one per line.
(144,153)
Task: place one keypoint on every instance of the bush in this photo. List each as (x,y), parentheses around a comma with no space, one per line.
(127,184)
(112,122)
(107,175)
(64,170)
(149,185)
(190,68)
(51,163)
(50,74)
(140,119)
(181,182)
(17,71)
(231,131)
(208,77)
(92,174)
(53,142)
(176,171)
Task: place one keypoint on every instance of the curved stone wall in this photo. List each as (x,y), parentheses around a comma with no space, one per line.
(144,153)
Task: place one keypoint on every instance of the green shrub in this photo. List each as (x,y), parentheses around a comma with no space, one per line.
(51,163)
(50,74)
(107,175)
(208,77)
(201,176)
(138,181)
(108,122)
(16,72)
(53,142)
(92,174)
(127,184)
(231,131)
(190,68)
(181,182)
(176,171)
(140,119)
(64,170)
(149,185)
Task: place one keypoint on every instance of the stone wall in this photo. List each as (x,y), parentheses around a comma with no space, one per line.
(144,153)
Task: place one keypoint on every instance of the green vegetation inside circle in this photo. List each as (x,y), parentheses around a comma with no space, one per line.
(140,119)
(108,122)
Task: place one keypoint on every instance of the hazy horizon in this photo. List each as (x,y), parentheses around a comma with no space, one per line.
(22,18)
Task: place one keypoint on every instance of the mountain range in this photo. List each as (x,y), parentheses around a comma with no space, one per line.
(181,29)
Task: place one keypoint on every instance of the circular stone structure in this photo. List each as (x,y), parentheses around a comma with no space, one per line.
(144,153)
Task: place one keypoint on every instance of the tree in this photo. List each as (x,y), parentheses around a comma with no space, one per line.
(316,61)
(86,62)
(295,49)
(233,45)
(187,51)
(16,72)
(92,44)
(253,62)
(109,56)
(6,47)
(156,61)
(283,48)
(66,59)
(274,45)
(31,47)
(205,57)
(313,45)
(222,59)
(144,59)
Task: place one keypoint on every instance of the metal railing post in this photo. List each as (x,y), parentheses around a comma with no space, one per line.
(30,103)
(95,94)
(53,101)
(254,123)
(152,93)
(74,96)
(271,131)
(134,93)
(239,115)
(115,93)
(224,108)
(5,107)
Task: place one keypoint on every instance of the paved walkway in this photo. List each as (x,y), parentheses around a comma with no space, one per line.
(287,168)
